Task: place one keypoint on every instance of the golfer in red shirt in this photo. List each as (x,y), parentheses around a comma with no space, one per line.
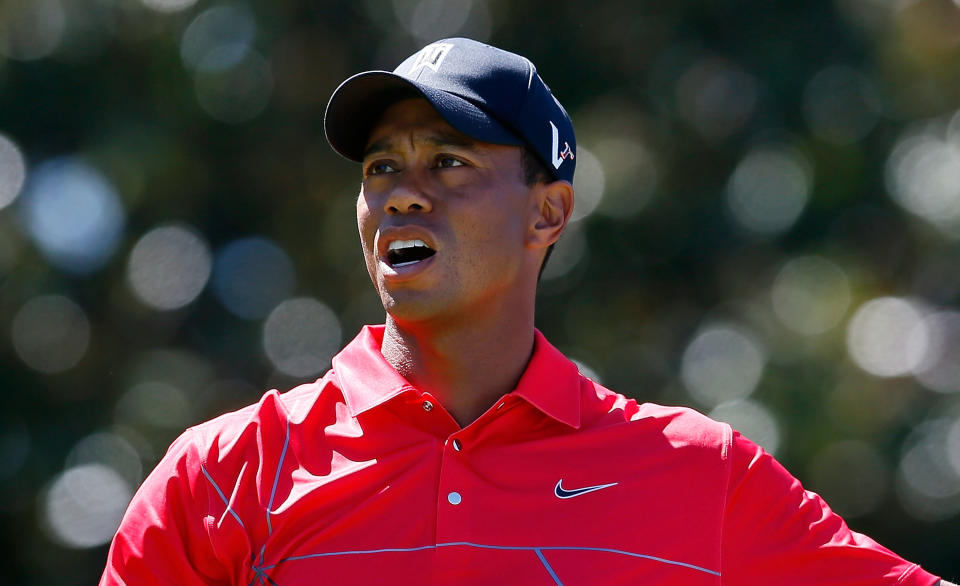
(454,444)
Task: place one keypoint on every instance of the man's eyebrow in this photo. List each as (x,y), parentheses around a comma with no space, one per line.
(450,139)
(377,146)
(438,140)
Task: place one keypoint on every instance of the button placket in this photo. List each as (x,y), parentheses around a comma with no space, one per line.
(454,497)
(454,490)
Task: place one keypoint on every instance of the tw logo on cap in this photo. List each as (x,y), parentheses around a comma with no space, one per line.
(558,155)
(431,56)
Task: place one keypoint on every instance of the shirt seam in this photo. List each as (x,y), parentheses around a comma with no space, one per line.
(725,450)
(906,573)
(194,438)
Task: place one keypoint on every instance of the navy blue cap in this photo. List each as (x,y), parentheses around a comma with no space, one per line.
(486,93)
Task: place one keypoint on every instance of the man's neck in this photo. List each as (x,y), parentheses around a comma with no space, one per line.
(466,366)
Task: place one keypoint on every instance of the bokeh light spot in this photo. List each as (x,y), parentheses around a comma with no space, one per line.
(769,189)
(111,450)
(928,486)
(236,94)
(953,446)
(168,5)
(251,276)
(50,333)
(810,295)
(169,267)
(869,15)
(155,404)
(230,26)
(588,184)
(73,214)
(939,368)
(923,176)
(751,419)
(841,105)
(13,171)
(301,336)
(587,371)
(631,176)
(722,363)
(84,505)
(886,337)
(567,253)
(428,20)
(31,29)
(716,97)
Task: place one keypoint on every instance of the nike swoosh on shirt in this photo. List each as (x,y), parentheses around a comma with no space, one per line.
(563,493)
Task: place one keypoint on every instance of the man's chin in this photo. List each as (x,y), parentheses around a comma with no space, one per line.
(412,307)
(406,305)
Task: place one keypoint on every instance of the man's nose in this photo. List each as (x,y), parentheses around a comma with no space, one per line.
(407,196)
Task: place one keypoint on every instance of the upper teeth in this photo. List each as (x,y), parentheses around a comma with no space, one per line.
(398,244)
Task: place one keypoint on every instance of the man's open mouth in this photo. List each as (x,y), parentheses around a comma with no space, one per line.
(402,253)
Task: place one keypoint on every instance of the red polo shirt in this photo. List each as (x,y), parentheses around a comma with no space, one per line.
(359,478)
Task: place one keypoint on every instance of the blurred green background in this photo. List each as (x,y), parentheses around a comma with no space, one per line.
(767,229)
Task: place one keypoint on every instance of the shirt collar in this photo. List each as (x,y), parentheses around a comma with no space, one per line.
(551,382)
(364,375)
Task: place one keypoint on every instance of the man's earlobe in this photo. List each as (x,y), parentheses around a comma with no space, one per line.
(554,201)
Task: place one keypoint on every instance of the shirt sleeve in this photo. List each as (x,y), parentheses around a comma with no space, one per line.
(775,532)
(163,537)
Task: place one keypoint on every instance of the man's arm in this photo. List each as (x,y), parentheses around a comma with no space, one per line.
(775,532)
(162,540)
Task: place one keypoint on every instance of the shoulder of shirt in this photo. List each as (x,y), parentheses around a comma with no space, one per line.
(273,408)
(681,425)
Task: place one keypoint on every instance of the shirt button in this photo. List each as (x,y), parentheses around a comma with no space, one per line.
(454,498)
(427,406)
(457,445)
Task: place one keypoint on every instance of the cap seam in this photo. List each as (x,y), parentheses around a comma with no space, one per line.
(526,98)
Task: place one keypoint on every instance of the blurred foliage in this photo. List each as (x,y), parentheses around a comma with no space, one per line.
(721,142)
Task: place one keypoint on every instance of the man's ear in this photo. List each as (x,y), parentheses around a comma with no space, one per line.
(553,204)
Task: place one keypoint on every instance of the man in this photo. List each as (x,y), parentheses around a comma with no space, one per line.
(454,444)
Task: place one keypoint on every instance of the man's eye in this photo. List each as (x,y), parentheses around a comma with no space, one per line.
(446,161)
(380,167)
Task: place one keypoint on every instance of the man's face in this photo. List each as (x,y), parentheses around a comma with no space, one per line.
(442,217)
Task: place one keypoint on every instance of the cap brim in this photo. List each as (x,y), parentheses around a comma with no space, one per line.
(356,106)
